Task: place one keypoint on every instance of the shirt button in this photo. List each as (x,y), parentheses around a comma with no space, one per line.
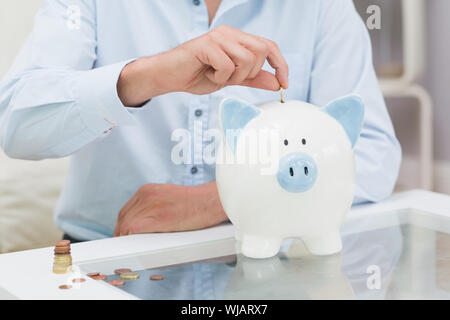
(198,113)
(194,170)
(196,2)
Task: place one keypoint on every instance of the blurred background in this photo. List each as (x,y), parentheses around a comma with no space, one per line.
(411,55)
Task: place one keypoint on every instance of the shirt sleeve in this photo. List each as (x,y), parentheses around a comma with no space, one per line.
(343,65)
(53,101)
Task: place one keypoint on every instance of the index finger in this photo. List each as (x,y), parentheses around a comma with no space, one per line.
(277,61)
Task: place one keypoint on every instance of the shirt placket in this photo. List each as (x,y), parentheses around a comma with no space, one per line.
(198,106)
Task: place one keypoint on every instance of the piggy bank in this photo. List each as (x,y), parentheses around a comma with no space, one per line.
(287,169)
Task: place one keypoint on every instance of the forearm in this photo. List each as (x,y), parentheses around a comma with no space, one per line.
(141,80)
(170,208)
(50,113)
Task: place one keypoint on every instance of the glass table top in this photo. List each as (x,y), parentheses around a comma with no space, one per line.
(393,255)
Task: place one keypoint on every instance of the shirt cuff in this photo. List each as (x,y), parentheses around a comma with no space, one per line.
(98,101)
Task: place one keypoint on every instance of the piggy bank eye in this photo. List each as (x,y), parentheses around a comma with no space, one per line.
(286,142)
(303,141)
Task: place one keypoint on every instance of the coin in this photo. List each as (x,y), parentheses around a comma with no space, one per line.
(62,243)
(65,286)
(99,277)
(129,275)
(78,280)
(62,250)
(117,282)
(122,270)
(62,257)
(61,269)
(281,95)
(62,262)
(156,277)
(93,274)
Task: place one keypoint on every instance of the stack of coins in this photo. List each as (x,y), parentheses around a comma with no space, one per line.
(62,262)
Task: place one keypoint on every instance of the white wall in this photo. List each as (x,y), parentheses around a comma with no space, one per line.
(437,76)
(437,80)
(16,21)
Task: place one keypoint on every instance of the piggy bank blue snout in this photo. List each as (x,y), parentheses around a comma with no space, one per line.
(297,172)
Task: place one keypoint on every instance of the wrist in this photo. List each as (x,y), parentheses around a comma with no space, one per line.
(141,80)
(154,70)
(209,200)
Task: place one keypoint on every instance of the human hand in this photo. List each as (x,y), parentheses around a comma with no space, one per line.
(169,208)
(222,57)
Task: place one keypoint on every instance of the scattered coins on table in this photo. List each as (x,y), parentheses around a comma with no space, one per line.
(117,282)
(93,274)
(62,261)
(122,270)
(156,277)
(129,275)
(99,277)
(65,286)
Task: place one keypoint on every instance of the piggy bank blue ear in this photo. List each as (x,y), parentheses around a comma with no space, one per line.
(349,112)
(234,116)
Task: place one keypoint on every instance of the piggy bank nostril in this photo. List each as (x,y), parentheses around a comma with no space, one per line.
(306,171)
(291,171)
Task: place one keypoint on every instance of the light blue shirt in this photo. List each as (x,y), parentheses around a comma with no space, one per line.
(60,97)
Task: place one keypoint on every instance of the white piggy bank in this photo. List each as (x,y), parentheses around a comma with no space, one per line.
(306,188)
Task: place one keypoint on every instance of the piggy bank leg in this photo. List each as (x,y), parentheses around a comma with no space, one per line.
(259,246)
(325,244)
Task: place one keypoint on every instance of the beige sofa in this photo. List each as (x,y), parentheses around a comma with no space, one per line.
(28,195)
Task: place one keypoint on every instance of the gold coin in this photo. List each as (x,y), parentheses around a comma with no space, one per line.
(61,269)
(129,275)
(281,95)
(62,257)
(61,265)
(67,263)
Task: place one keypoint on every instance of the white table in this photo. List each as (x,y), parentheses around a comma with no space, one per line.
(28,274)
